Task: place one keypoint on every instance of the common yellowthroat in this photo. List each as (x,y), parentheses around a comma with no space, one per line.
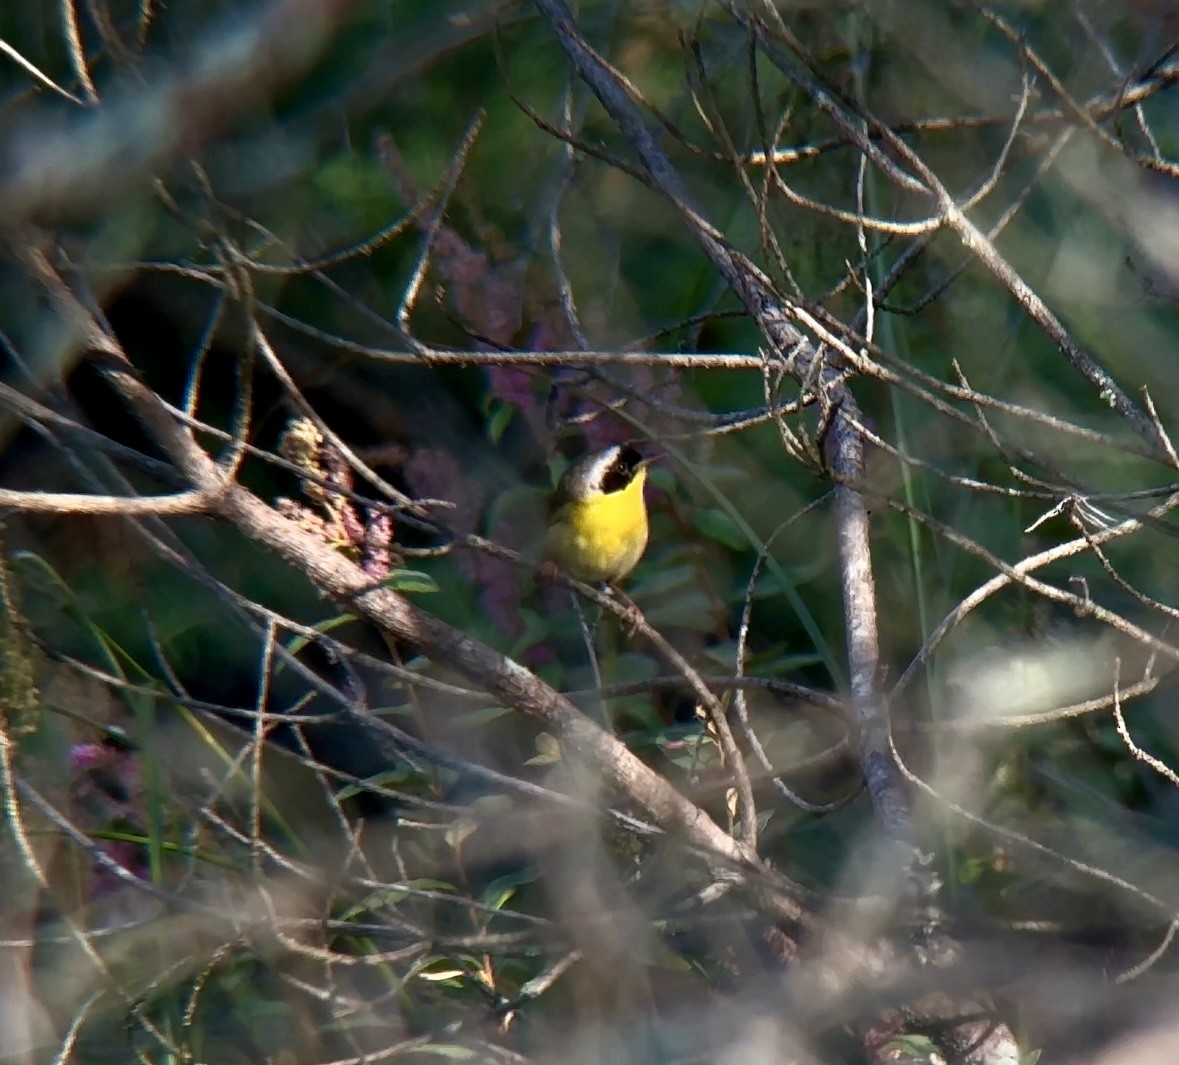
(598,517)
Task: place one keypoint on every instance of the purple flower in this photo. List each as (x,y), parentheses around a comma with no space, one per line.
(513,385)
(105,787)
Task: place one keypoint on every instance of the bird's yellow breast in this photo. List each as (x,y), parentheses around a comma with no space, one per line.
(603,537)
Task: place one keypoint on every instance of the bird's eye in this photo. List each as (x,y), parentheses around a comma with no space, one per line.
(630,459)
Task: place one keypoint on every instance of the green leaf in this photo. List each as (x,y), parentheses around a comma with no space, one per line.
(392,711)
(297,643)
(694,753)
(442,975)
(392,896)
(459,829)
(782,664)
(916,1046)
(411,580)
(500,898)
(51,579)
(486,715)
(390,778)
(537,629)
(664,579)
(260,1009)
(498,421)
(719,525)
(688,611)
(549,751)
(359,188)
(500,890)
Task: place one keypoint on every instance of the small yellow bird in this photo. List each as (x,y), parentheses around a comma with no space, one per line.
(598,516)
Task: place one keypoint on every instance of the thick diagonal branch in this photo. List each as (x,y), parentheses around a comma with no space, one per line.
(348,584)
